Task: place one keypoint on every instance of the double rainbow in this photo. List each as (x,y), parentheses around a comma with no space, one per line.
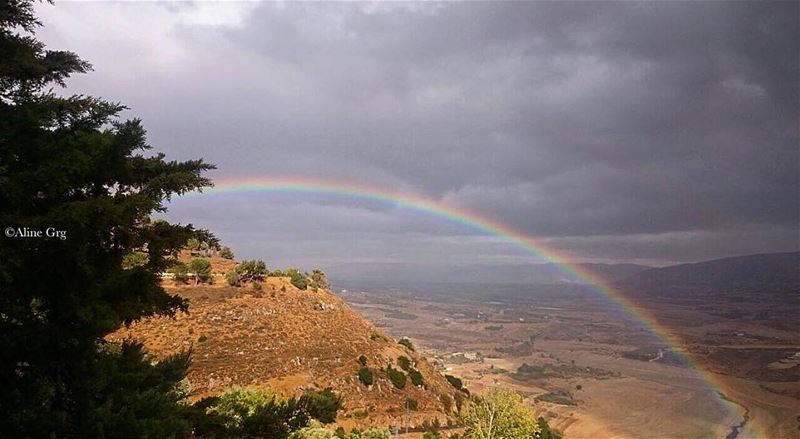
(488,226)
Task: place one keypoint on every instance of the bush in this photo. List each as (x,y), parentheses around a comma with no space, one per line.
(397,378)
(201,269)
(277,273)
(375,433)
(233,279)
(252,270)
(405,341)
(257,287)
(365,376)
(416,378)
(202,338)
(340,432)
(362,360)
(180,273)
(455,382)
(404,363)
(226,253)
(298,279)
(318,280)
(412,404)
(321,405)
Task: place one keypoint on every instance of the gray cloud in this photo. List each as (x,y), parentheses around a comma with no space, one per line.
(657,131)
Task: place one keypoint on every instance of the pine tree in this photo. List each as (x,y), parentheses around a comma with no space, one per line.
(72,164)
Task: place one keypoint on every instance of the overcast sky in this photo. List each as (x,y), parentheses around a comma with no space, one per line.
(615,132)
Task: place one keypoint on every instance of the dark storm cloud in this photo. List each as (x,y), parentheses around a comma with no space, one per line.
(664,130)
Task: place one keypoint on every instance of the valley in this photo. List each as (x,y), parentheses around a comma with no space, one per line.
(594,372)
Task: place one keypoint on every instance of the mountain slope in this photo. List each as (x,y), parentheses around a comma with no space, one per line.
(771,269)
(290,340)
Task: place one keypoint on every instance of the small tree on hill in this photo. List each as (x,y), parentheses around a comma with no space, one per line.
(397,377)
(416,378)
(297,278)
(252,270)
(405,341)
(226,253)
(318,280)
(201,269)
(365,376)
(180,273)
(404,363)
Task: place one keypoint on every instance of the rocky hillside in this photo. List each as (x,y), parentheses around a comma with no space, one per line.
(291,340)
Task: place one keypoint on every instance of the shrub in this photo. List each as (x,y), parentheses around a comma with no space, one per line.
(276,273)
(257,287)
(405,341)
(340,432)
(412,404)
(455,382)
(252,270)
(416,377)
(226,253)
(298,279)
(180,273)
(321,405)
(376,433)
(365,376)
(318,279)
(362,360)
(201,269)
(233,279)
(397,377)
(404,363)
(431,435)
(546,431)
(202,338)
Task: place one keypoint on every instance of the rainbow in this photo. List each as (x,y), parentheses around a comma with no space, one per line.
(491,227)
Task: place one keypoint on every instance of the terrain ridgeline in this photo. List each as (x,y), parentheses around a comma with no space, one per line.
(291,340)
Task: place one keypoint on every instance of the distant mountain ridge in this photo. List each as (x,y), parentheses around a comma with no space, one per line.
(760,270)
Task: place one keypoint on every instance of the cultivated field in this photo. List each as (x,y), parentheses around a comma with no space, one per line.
(593,372)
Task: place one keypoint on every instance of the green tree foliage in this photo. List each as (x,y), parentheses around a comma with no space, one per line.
(249,271)
(257,287)
(232,278)
(362,360)
(412,404)
(405,341)
(252,413)
(226,253)
(180,272)
(499,413)
(322,405)
(201,269)
(193,245)
(134,259)
(365,376)
(297,278)
(319,280)
(404,363)
(70,163)
(545,431)
(397,377)
(455,382)
(416,378)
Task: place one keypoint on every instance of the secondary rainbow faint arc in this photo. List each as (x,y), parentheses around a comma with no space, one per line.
(476,221)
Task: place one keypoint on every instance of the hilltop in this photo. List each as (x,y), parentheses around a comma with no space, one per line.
(291,340)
